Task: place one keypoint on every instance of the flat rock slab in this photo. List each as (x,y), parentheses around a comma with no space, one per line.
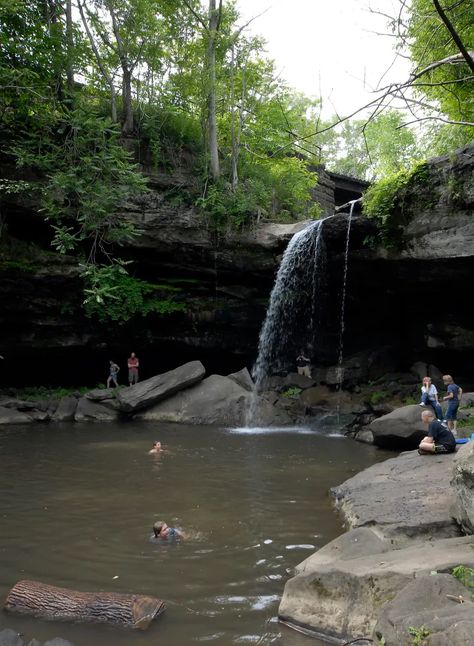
(342,598)
(407,497)
(429,602)
(216,400)
(12,416)
(156,389)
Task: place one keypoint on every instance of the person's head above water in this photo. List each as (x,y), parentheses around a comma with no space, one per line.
(159,528)
(156,447)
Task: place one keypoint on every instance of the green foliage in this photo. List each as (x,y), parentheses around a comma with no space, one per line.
(113,295)
(292,392)
(276,189)
(23,266)
(451,86)
(384,200)
(371,149)
(90,176)
(419,635)
(465,575)
(377,396)
(465,423)
(39,393)
(408,401)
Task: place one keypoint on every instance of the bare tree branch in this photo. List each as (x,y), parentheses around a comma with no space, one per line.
(199,18)
(468,57)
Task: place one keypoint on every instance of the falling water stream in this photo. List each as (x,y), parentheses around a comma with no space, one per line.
(340,371)
(296,284)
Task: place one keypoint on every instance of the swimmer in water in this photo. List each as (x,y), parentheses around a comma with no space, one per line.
(156,448)
(161,532)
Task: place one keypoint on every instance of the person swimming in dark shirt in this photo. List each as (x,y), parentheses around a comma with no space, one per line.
(162,532)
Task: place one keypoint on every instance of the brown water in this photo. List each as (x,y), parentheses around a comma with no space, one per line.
(78,503)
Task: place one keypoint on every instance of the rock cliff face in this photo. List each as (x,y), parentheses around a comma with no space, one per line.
(412,301)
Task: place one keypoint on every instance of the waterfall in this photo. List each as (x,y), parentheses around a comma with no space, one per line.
(340,372)
(287,327)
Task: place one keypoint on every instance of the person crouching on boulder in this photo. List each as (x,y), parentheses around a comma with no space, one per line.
(161,532)
(439,438)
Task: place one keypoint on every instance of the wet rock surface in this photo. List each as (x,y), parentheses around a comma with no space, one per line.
(9,637)
(401,528)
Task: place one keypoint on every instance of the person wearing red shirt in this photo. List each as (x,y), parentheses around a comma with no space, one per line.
(133,365)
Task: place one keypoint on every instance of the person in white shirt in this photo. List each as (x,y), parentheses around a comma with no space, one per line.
(429,397)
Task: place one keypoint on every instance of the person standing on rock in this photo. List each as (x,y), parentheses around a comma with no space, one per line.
(113,373)
(133,365)
(303,364)
(429,397)
(439,439)
(453,398)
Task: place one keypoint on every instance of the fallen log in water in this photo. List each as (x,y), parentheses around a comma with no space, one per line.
(60,604)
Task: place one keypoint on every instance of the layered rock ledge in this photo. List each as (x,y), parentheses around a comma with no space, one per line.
(401,531)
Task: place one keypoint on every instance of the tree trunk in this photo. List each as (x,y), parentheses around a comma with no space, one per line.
(127,128)
(211,97)
(60,604)
(69,48)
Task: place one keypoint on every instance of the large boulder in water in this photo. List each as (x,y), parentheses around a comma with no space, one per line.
(400,429)
(463,483)
(156,389)
(431,602)
(216,400)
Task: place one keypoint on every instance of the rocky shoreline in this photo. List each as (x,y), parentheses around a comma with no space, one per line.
(410,523)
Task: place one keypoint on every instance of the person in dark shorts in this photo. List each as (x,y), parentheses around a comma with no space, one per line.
(133,364)
(161,532)
(113,374)
(453,398)
(439,438)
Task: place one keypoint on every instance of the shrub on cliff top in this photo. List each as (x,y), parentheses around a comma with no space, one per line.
(384,200)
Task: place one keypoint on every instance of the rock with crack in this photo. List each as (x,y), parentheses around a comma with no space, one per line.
(151,391)
(215,400)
